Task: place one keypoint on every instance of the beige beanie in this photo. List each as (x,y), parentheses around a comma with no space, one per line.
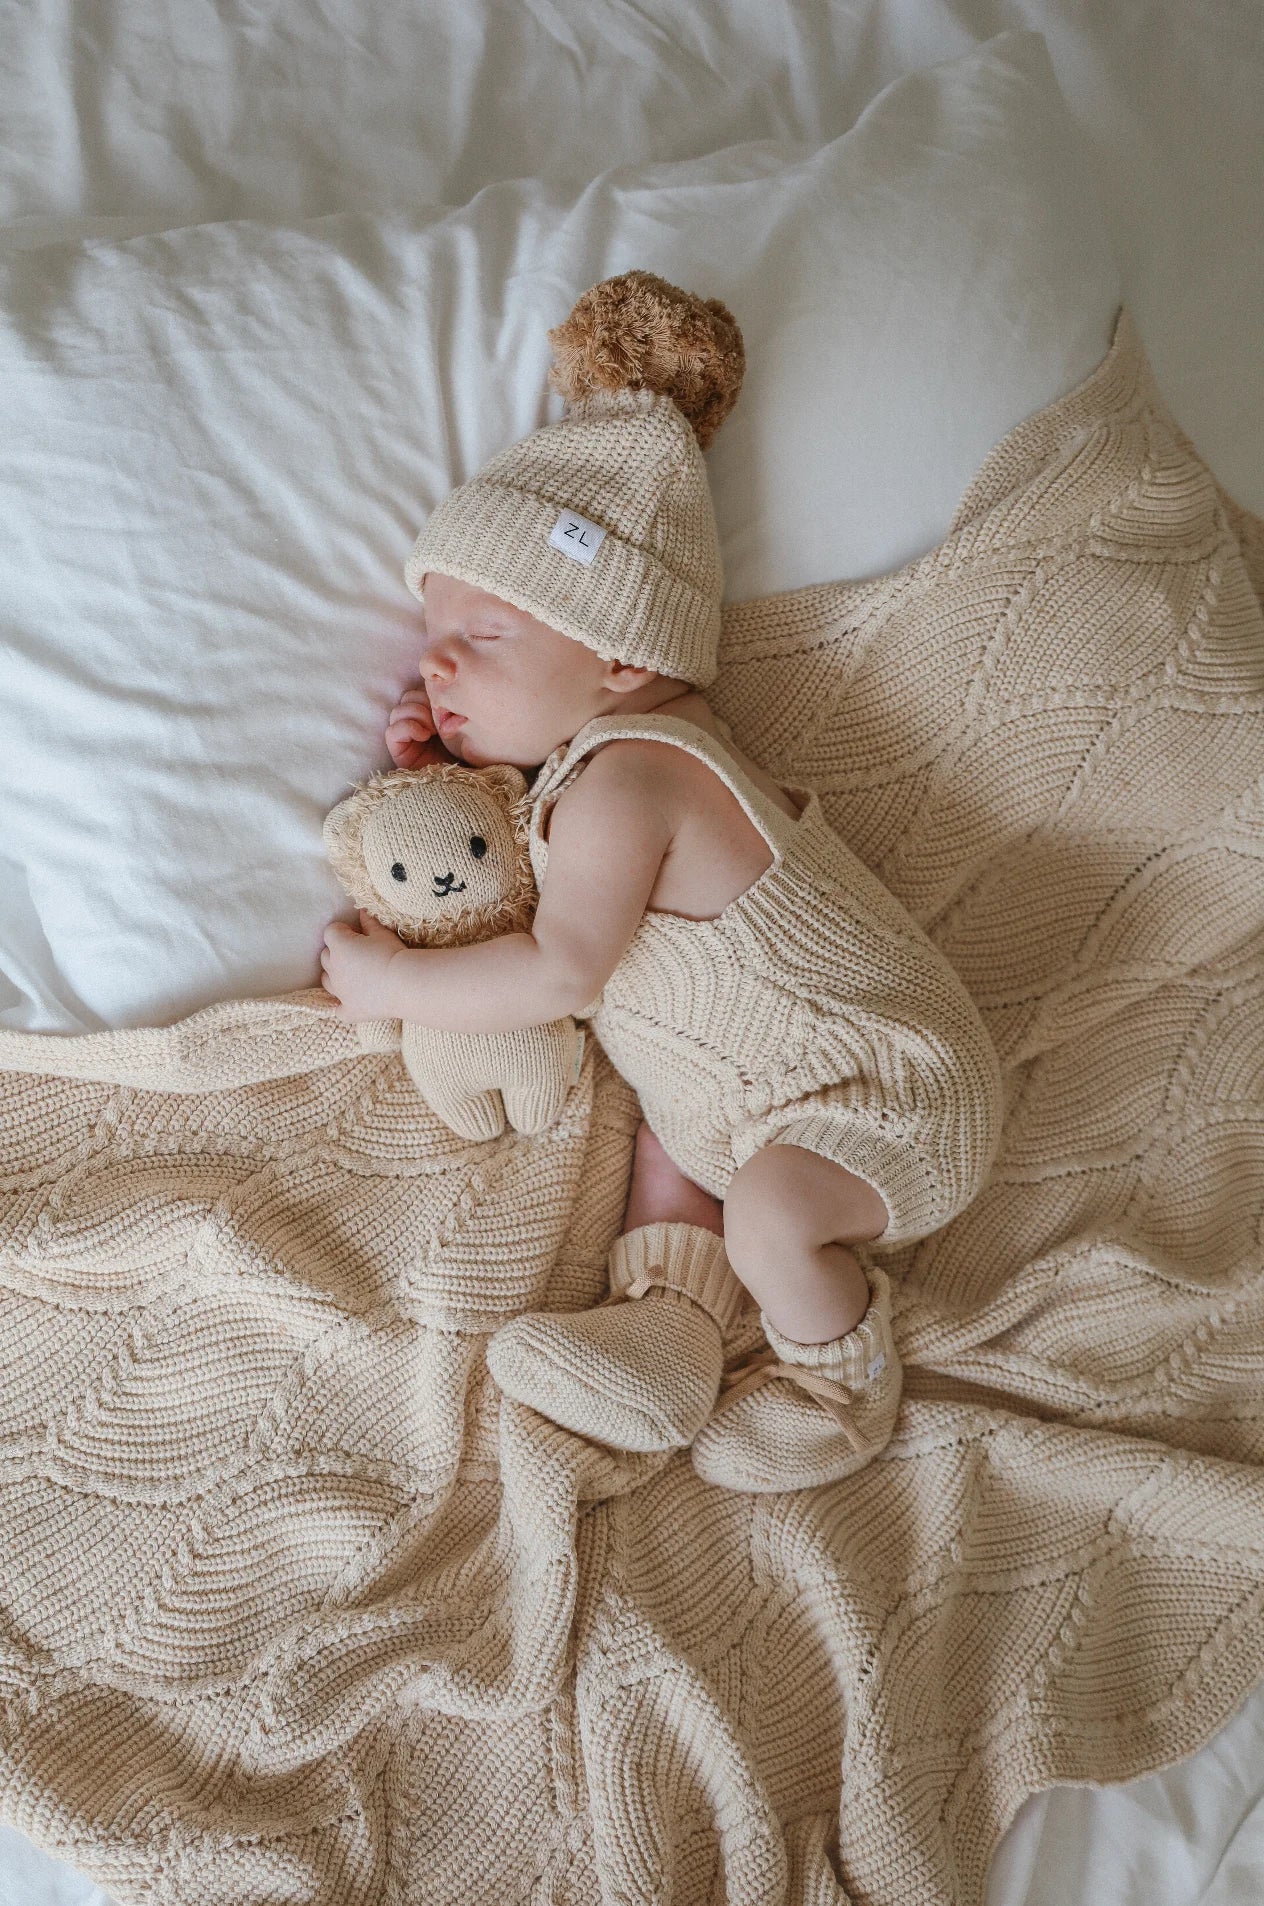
(601,525)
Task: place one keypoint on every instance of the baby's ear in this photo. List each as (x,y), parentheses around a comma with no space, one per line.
(623,678)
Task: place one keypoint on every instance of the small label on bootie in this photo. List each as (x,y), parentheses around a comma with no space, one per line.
(579,1057)
(576,537)
(878,1365)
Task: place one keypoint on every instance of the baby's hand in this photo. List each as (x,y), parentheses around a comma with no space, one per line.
(411,736)
(355,963)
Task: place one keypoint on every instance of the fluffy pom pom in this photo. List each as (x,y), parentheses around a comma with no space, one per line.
(638,332)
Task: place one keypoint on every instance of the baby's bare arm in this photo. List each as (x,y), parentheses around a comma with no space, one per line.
(607,837)
(608,834)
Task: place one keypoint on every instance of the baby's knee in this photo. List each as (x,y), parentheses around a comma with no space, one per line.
(809,1292)
(788,1201)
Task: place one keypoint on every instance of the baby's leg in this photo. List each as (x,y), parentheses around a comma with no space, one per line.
(789,1215)
(660,1191)
(641,1370)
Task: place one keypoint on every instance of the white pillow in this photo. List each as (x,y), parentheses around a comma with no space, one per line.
(220,442)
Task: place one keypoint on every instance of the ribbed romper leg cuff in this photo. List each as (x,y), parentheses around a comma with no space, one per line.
(890,1164)
(685,1257)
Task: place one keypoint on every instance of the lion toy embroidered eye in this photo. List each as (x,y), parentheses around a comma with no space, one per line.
(440,854)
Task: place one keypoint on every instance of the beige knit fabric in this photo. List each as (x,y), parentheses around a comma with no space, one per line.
(293,1611)
(649,590)
(813,1011)
(642,1369)
(797,1414)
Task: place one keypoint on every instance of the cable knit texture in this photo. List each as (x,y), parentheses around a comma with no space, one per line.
(297,1609)
(813,1011)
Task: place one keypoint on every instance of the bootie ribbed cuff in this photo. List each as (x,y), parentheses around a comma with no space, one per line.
(684,1257)
(860,1356)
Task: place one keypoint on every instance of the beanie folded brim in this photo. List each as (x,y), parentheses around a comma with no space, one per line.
(625,605)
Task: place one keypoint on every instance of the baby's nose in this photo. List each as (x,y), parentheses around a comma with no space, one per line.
(434,652)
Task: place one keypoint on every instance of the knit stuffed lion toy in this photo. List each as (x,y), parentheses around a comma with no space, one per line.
(440,854)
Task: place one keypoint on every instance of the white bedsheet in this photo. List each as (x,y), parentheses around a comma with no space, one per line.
(120,118)
(117,118)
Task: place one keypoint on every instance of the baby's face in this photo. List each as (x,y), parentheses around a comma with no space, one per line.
(522,686)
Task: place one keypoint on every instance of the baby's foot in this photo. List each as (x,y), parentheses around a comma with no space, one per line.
(660,1192)
(800,1414)
(640,1371)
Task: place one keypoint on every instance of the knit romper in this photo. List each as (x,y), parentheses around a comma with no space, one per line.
(813,1011)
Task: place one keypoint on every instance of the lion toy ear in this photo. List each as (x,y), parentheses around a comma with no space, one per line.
(439,853)
(343,827)
(511,781)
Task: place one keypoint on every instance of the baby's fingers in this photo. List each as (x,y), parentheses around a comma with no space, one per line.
(407,752)
(376,929)
(413,702)
(420,725)
(409,732)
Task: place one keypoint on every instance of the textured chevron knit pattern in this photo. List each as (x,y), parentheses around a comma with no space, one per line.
(813,1011)
(296,1609)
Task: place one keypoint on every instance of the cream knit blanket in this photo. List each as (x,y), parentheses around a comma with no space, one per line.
(293,1612)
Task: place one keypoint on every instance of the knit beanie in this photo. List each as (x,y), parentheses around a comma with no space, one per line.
(601,525)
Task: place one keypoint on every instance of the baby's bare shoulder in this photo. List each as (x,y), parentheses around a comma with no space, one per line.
(630,754)
(621,785)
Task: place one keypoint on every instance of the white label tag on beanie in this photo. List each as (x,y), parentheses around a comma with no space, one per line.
(575,536)
(878,1365)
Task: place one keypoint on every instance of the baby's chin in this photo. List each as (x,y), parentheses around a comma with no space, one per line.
(472,754)
(468,752)
(458,746)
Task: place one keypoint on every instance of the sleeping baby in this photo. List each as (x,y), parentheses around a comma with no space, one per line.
(815,1082)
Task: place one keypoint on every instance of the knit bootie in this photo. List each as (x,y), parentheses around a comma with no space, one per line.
(640,1374)
(796,1414)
